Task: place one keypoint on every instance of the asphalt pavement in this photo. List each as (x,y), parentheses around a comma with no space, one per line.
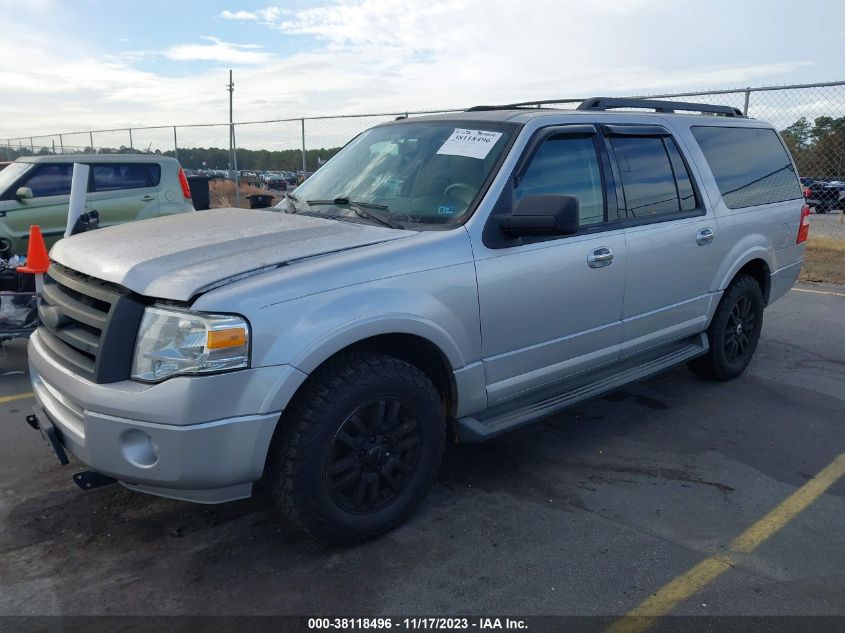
(590,512)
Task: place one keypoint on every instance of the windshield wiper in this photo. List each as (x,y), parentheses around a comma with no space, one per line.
(359,207)
(291,207)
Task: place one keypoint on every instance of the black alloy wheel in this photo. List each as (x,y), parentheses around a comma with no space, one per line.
(373,456)
(739,328)
(733,332)
(358,448)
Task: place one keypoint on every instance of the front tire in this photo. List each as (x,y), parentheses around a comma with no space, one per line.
(734,331)
(359,448)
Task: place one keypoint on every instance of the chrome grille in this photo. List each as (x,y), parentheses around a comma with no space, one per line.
(88,325)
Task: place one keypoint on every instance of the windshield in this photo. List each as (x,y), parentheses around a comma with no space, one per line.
(11,174)
(428,173)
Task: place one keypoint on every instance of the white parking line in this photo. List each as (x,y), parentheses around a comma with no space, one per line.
(832,293)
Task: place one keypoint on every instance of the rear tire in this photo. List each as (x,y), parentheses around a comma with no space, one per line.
(734,331)
(359,448)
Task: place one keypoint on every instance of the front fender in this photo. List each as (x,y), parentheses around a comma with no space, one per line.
(439,305)
(396,323)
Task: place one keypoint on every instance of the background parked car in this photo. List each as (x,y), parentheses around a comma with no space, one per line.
(826,196)
(277,183)
(122,188)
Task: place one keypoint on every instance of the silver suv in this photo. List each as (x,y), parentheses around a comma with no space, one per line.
(458,275)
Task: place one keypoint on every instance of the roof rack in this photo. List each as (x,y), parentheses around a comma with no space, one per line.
(486,108)
(664,107)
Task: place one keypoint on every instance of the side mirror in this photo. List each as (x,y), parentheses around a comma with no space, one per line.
(24,193)
(542,215)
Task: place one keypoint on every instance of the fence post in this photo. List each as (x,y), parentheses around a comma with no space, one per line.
(304,163)
(61,144)
(175,145)
(91,138)
(131,145)
(747,97)
(31,145)
(235,165)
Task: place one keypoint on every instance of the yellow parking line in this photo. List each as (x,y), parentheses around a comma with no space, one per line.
(643,617)
(665,599)
(790,507)
(17,396)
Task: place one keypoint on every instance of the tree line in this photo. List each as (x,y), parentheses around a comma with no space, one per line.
(206,157)
(818,147)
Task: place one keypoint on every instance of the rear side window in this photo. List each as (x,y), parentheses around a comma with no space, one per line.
(50,180)
(750,165)
(115,176)
(567,165)
(654,177)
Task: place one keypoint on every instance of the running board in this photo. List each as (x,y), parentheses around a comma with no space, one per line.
(523,411)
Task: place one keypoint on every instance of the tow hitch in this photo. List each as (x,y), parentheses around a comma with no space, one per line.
(40,422)
(88,480)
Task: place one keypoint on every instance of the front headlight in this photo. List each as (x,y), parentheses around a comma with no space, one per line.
(173,342)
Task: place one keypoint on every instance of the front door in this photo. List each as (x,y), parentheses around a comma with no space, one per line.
(551,307)
(50,185)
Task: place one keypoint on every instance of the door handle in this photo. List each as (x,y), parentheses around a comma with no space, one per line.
(148,198)
(601,256)
(704,237)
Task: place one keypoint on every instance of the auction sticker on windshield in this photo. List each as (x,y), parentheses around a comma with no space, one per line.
(470,143)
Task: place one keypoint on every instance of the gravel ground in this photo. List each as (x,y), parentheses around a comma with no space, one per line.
(831,225)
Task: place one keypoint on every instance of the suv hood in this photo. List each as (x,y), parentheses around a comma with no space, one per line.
(176,257)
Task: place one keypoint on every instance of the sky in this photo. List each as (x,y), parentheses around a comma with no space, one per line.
(91,64)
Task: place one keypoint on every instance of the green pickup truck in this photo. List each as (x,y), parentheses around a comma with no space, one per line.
(121,187)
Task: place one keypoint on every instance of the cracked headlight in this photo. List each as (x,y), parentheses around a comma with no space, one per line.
(176,342)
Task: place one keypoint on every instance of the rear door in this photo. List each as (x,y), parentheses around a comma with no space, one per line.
(123,192)
(549,308)
(671,237)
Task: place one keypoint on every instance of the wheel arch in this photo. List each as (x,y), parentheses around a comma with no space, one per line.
(419,343)
(756,263)
(759,270)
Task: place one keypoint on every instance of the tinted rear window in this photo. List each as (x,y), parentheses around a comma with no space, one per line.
(110,177)
(649,176)
(750,165)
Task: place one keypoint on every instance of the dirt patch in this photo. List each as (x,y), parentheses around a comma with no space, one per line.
(825,261)
(222,194)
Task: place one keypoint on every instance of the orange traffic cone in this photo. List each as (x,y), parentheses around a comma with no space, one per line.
(37,260)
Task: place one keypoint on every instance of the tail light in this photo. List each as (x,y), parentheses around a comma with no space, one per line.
(804,227)
(806,192)
(183,180)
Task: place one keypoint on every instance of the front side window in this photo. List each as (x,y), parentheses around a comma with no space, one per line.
(50,180)
(427,172)
(655,180)
(750,165)
(9,176)
(566,165)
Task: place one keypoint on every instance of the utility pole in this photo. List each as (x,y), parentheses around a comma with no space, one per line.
(233,150)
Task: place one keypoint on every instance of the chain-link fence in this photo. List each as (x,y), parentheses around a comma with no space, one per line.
(810,117)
